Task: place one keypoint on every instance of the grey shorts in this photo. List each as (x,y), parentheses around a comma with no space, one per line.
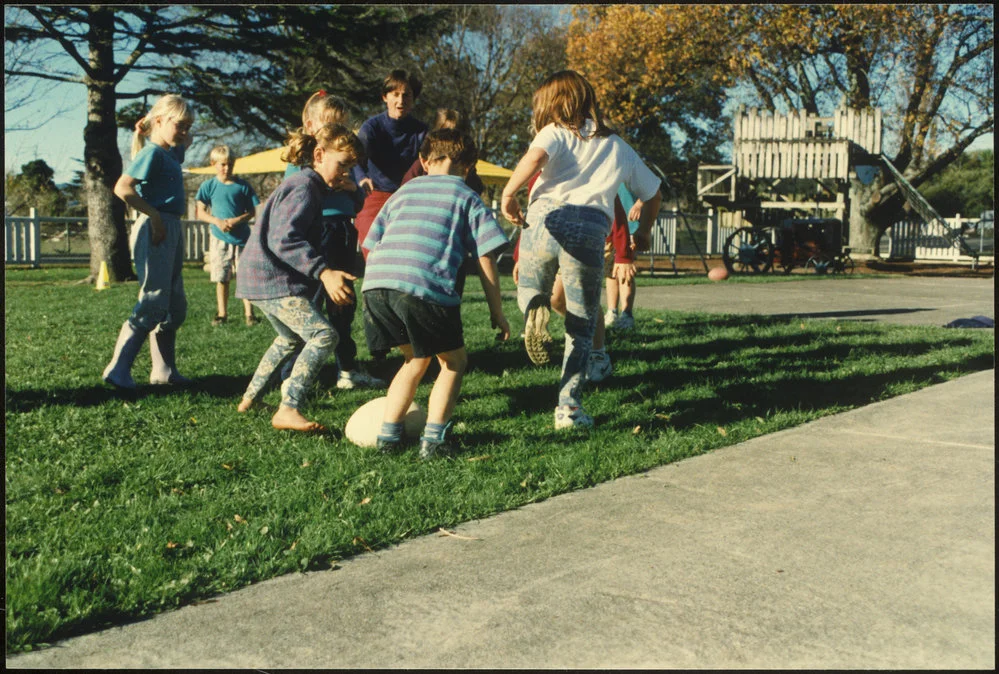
(222,260)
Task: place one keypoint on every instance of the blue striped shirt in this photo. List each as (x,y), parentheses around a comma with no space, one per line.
(420,238)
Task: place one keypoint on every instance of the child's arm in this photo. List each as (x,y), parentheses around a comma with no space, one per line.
(125,190)
(490,286)
(650,209)
(530,163)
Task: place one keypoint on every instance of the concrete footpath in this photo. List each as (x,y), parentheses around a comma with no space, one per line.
(862,540)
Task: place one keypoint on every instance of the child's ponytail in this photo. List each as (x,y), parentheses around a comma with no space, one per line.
(142,129)
(170,106)
(301,146)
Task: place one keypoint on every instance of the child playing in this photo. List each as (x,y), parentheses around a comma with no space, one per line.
(282,266)
(391,143)
(582,162)
(339,246)
(621,282)
(616,247)
(417,244)
(227,204)
(153,185)
(446,119)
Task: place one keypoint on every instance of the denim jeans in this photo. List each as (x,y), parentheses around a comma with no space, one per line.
(571,239)
(161,287)
(296,321)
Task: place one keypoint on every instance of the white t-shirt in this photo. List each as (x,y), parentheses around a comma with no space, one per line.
(588,172)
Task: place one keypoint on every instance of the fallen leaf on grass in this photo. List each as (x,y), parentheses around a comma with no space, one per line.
(227,466)
(636,430)
(264,530)
(239,519)
(193,420)
(722,432)
(306,464)
(174,490)
(484,457)
(365,501)
(171,545)
(445,532)
(658,320)
(664,417)
(360,541)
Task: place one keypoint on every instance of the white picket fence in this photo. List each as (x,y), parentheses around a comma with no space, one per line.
(24,237)
(670,237)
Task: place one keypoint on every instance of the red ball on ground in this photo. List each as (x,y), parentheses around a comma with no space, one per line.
(718,274)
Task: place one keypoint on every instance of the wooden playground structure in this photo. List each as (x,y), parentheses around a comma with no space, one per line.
(787,193)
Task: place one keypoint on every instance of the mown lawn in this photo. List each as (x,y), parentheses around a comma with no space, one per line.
(118,509)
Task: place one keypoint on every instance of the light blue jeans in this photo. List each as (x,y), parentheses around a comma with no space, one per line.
(571,239)
(296,321)
(161,287)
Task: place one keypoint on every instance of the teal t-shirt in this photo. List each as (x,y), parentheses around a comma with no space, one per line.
(340,202)
(160,179)
(229,201)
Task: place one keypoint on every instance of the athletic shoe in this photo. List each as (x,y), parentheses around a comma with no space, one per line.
(610,317)
(429,448)
(599,366)
(219,320)
(358,379)
(624,322)
(537,341)
(572,417)
(387,446)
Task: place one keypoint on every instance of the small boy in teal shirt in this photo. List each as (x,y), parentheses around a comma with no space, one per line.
(227,204)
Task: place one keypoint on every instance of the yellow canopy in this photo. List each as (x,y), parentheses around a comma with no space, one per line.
(269,161)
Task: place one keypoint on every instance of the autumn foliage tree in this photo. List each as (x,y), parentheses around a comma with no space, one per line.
(928,67)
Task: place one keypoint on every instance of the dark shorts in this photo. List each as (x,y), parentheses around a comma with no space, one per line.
(392,318)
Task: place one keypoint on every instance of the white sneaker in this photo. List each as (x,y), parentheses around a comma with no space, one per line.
(358,379)
(599,366)
(610,317)
(572,417)
(624,322)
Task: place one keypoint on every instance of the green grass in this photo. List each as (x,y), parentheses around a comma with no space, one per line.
(118,509)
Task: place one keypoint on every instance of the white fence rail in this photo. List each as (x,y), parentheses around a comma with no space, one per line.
(33,239)
(674,233)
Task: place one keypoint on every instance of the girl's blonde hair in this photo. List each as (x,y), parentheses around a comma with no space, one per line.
(322,108)
(170,106)
(567,100)
(332,137)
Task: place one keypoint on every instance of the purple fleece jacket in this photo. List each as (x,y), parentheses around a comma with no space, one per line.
(283,255)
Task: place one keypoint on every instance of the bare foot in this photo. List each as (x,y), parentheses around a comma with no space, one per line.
(288,418)
(247,404)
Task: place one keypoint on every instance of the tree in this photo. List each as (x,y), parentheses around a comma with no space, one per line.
(929,67)
(659,79)
(101,45)
(967,186)
(487,65)
(344,49)
(34,188)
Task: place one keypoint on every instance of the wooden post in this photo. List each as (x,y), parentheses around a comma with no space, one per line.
(34,237)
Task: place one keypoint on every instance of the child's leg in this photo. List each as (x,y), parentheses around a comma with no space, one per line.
(220,264)
(222,299)
(444,394)
(538,265)
(247,309)
(402,389)
(627,289)
(613,294)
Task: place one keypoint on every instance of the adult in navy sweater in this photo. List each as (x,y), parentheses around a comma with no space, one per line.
(391,142)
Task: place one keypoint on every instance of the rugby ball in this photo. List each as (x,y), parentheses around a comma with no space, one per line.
(718,274)
(364,424)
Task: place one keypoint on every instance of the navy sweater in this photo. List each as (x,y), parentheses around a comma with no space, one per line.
(391,146)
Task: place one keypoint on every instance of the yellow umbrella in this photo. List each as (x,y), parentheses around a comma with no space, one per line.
(269,161)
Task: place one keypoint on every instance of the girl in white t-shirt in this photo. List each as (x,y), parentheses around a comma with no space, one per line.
(571,207)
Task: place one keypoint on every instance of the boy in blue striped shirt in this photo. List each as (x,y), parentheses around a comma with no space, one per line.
(416,248)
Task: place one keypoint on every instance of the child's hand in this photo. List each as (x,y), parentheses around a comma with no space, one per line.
(510,208)
(624,272)
(335,283)
(157,232)
(636,210)
(367,184)
(500,323)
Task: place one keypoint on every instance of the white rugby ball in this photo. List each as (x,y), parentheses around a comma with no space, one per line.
(364,424)
(718,274)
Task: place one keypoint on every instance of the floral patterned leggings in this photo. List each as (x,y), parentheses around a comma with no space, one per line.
(296,321)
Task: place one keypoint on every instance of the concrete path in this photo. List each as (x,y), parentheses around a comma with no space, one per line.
(862,540)
(906,301)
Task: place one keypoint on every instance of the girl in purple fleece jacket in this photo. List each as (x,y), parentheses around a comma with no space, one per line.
(283,265)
